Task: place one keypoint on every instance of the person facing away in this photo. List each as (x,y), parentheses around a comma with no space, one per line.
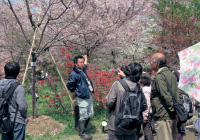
(161,100)
(17,99)
(123,76)
(114,99)
(145,82)
(81,87)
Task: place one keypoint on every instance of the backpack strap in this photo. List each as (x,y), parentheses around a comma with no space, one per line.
(169,89)
(9,93)
(11,90)
(126,87)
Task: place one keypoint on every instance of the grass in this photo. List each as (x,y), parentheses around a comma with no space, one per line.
(66,118)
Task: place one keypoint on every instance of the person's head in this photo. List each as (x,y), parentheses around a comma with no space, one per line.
(133,71)
(158,61)
(149,71)
(145,79)
(11,70)
(177,75)
(79,61)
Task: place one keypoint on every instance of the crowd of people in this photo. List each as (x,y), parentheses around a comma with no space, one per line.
(159,106)
(157,115)
(159,102)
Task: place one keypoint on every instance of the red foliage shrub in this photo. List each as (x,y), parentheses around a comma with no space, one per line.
(102,81)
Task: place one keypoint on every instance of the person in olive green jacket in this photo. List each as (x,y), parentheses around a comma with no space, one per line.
(161,100)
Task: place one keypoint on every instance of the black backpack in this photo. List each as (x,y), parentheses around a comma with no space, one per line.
(5,123)
(129,115)
(187,104)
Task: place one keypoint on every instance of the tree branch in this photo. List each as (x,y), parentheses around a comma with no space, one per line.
(45,14)
(41,38)
(18,21)
(30,15)
(50,42)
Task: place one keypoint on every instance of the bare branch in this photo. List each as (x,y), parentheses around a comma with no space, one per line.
(45,14)
(49,19)
(72,42)
(50,42)
(66,8)
(30,15)
(18,21)
(41,38)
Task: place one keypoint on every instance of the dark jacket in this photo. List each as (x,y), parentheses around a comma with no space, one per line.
(113,103)
(17,98)
(161,100)
(78,84)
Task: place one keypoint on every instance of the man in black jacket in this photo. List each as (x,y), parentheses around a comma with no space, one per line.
(81,87)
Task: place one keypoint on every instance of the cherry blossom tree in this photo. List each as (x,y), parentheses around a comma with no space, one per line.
(100,29)
(109,30)
(44,20)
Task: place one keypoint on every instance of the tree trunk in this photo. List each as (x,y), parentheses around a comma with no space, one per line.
(33,64)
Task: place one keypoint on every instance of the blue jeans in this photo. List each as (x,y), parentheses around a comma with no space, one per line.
(85,108)
(18,133)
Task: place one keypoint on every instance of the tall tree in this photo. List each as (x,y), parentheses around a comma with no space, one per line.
(49,13)
(89,25)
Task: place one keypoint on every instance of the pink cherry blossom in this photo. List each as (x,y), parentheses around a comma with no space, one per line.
(198,86)
(194,94)
(193,79)
(188,70)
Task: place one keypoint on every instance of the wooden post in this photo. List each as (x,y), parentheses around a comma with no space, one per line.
(61,77)
(27,63)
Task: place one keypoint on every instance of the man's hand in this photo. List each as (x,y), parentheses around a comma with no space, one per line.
(85,57)
(145,121)
(121,73)
(73,95)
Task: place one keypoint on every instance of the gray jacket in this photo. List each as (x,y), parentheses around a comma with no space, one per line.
(113,103)
(17,98)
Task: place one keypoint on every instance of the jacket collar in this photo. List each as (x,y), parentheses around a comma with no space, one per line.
(76,69)
(162,70)
(10,77)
